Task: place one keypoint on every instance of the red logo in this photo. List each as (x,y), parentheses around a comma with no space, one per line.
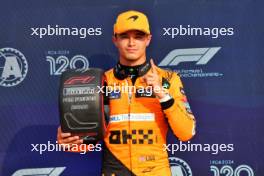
(79,80)
(184,99)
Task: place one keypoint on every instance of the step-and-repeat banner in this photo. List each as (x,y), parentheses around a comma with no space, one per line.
(215,46)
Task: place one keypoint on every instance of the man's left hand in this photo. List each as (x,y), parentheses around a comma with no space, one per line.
(152,79)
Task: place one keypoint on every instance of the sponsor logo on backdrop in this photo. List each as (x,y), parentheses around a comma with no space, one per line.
(227,168)
(179,167)
(197,58)
(50,171)
(59,61)
(13,67)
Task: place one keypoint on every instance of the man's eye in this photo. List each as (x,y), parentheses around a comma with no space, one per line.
(139,37)
(123,36)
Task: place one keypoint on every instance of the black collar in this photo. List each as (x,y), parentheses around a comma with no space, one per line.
(123,71)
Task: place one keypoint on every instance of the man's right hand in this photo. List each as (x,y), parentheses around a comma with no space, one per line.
(67,138)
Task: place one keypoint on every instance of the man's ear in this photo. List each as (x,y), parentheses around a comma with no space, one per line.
(114,40)
(149,39)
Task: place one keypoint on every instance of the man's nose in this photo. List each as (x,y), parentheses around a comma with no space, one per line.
(131,41)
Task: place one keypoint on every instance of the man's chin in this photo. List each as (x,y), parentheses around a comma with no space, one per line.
(132,58)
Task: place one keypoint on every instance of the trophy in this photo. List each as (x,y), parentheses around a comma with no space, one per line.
(81,104)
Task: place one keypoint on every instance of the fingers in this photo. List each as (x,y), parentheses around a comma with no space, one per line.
(152,75)
(80,141)
(66,138)
(61,135)
(153,66)
(64,135)
(151,79)
(70,140)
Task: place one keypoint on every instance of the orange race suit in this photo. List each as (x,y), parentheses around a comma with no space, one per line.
(138,122)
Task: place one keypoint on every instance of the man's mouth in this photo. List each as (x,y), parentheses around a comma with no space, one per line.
(131,50)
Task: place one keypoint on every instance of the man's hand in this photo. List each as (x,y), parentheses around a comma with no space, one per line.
(152,79)
(67,138)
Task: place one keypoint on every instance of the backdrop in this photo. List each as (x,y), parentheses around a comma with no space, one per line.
(216,47)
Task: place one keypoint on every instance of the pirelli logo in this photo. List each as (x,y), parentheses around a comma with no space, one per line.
(138,136)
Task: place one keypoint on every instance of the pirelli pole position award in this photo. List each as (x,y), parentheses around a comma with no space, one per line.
(81,104)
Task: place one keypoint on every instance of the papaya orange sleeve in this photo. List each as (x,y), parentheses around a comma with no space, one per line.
(180,117)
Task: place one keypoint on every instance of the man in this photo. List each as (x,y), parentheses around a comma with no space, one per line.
(138,120)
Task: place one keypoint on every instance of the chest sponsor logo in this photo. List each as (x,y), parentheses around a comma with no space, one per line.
(115,95)
(132,117)
(137,136)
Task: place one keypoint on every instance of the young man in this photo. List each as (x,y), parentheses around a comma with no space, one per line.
(139,119)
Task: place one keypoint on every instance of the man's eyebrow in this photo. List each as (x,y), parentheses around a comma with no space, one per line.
(123,34)
(137,33)
(140,33)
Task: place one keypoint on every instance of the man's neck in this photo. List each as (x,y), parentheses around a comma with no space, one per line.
(127,62)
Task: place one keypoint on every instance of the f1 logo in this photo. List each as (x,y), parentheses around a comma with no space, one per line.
(199,55)
(56,171)
(79,79)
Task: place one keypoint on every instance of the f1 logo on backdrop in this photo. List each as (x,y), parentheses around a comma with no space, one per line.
(199,55)
(51,171)
(13,67)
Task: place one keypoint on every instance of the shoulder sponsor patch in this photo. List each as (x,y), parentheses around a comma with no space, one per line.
(182,91)
(186,105)
(165,83)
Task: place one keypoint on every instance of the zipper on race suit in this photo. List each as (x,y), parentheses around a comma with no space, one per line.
(129,83)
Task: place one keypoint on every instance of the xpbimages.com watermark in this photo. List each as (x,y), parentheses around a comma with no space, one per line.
(189,147)
(51,147)
(114,89)
(189,30)
(56,30)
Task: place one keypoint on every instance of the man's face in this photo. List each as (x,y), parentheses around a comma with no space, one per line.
(132,44)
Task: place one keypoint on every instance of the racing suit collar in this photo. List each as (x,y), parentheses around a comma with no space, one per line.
(123,71)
